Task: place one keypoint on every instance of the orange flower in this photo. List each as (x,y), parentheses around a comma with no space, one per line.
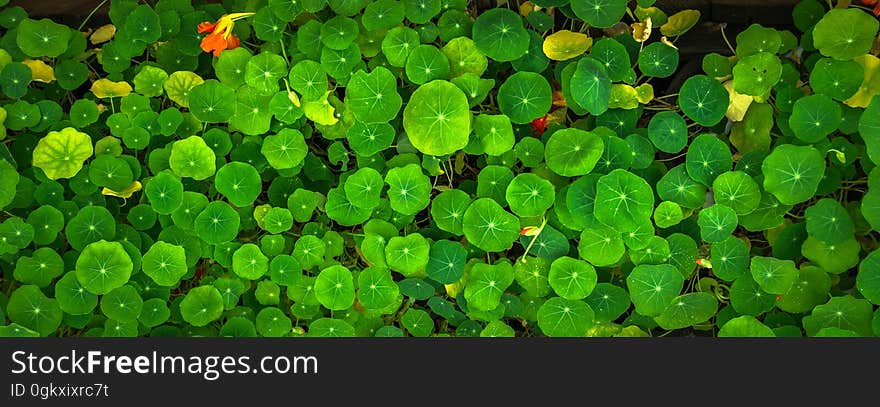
(220,35)
(875,3)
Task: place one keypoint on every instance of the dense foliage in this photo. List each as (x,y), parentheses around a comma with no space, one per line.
(428,168)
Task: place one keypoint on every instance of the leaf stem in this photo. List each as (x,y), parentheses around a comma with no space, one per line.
(88,17)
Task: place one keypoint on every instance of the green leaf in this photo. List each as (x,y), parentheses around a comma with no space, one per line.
(599,13)
(525,96)
(373,97)
(755,74)
(773,275)
(500,35)
(844,312)
(792,173)
(60,154)
(334,288)
(623,200)
(687,310)
(571,278)
(591,86)
(32,309)
(437,119)
(103,266)
(703,99)
(745,326)
(201,306)
(653,287)
(191,157)
(814,117)
(489,227)
(559,317)
(573,152)
(38,38)
(845,33)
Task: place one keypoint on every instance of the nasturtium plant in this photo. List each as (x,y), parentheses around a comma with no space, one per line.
(438,168)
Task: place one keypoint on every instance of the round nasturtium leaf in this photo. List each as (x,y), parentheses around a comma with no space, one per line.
(745,326)
(658,60)
(43,266)
(809,290)
(623,200)
(486,283)
(845,33)
(383,14)
(591,86)
(730,258)
(668,131)
(572,279)
(717,222)
(499,33)
(165,263)
(122,304)
(373,96)
(334,288)
(525,96)
(165,193)
(212,101)
(653,287)
(37,38)
(398,43)
(60,154)
(191,157)
(437,119)
(417,322)
(286,149)
(464,57)
(773,275)
(202,305)
(687,310)
(599,13)
(408,255)
(836,79)
(707,157)
(608,301)
(489,227)
(601,245)
(756,74)
(448,208)
(494,134)
(239,182)
(667,214)
(341,210)
(560,317)
(529,195)
(829,221)
(409,189)
(327,328)
(217,223)
(573,152)
(363,188)
(446,261)
(111,172)
(103,266)
(703,100)
(376,288)
(249,262)
(72,297)
(179,84)
(90,224)
(868,279)
(844,312)
(32,309)
(426,63)
(737,190)
(814,117)
(792,173)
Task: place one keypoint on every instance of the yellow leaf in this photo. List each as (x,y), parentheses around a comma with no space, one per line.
(623,96)
(294,98)
(739,104)
(104,33)
(125,193)
(40,72)
(455,288)
(527,7)
(645,93)
(564,45)
(666,41)
(5,58)
(679,23)
(321,111)
(870,85)
(105,88)
(642,31)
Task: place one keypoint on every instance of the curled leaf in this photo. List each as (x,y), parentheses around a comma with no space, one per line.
(103,34)
(739,104)
(870,85)
(40,71)
(642,30)
(125,193)
(105,88)
(644,93)
(564,45)
(679,23)
(321,111)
